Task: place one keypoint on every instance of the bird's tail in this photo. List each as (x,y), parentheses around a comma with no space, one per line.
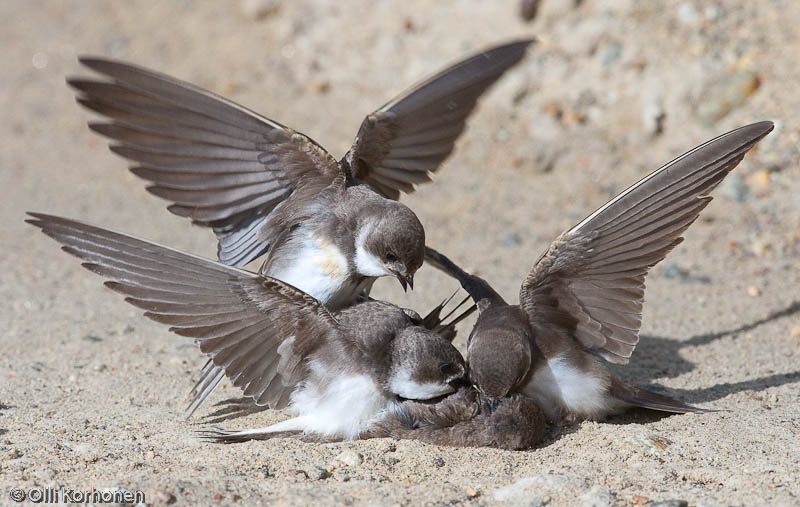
(640,397)
(447,330)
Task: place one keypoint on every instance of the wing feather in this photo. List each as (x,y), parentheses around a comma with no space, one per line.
(592,276)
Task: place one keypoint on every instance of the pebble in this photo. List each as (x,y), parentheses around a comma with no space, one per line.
(437,462)
(472,492)
(611,53)
(391,460)
(160,496)
(673,271)
(318,473)
(528,9)
(794,332)
(16,453)
(753,291)
(350,458)
(653,116)
(727,94)
(259,9)
(639,500)
(651,442)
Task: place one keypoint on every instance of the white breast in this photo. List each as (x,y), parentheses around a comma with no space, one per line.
(320,269)
(558,387)
(344,407)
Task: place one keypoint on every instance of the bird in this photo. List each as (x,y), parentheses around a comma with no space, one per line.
(327,227)
(341,372)
(463,419)
(581,303)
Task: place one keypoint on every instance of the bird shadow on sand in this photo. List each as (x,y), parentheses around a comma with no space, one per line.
(658,357)
(231,408)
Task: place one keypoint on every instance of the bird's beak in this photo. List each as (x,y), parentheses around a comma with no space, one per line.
(406,281)
(410,281)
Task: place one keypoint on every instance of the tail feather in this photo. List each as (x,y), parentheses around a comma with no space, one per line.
(639,397)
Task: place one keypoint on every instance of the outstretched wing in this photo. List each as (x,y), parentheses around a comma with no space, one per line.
(220,164)
(401,143)
(256,329)
(591,279)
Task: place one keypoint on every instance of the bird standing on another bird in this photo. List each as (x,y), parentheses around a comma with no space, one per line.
(328,228)
(582,301)
(343,373)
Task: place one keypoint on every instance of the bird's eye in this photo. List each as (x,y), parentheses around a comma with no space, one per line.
(390,257)
(448,368)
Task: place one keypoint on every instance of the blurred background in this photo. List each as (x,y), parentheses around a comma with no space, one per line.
(613,90)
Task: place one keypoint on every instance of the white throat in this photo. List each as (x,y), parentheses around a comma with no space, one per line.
(368,264)
(401,384)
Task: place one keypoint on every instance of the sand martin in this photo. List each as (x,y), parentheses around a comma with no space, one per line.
(340,372)
(328,227)
(463,419)
(582,301)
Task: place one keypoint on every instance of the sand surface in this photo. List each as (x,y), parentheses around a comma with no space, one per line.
(92,393)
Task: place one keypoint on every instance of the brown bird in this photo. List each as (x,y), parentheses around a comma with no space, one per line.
(328,228)
(464,419)
(341,372)
(582,301)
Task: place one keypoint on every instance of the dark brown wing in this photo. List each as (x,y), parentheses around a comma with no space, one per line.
(219,163)
(401,143)
(255,328)
(592,277)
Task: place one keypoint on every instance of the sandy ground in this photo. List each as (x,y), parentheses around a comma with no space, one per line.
(92,394)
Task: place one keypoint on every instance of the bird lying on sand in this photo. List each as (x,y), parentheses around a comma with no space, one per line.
(342,372)
(582,301)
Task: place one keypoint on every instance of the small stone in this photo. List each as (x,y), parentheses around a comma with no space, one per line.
(318,473)
(653,117)
(639,500)
(472,492)
(794,332)
(217,496)
(350,458)
(15,454)
(259,9)
(651,442)
(390,448)
(150,455)
(753,291)
(391,460)
(92,338)
(528,9)
(761,179)
(759,248)
(670,503)
(163,497)
(437,462)
(297,474)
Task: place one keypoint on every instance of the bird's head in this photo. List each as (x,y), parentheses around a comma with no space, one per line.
(424,365)
(391,242)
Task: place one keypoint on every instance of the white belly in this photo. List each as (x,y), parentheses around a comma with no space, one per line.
(321,270)
(344,407)
(558,388)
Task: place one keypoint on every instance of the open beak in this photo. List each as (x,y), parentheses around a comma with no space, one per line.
(406,281)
